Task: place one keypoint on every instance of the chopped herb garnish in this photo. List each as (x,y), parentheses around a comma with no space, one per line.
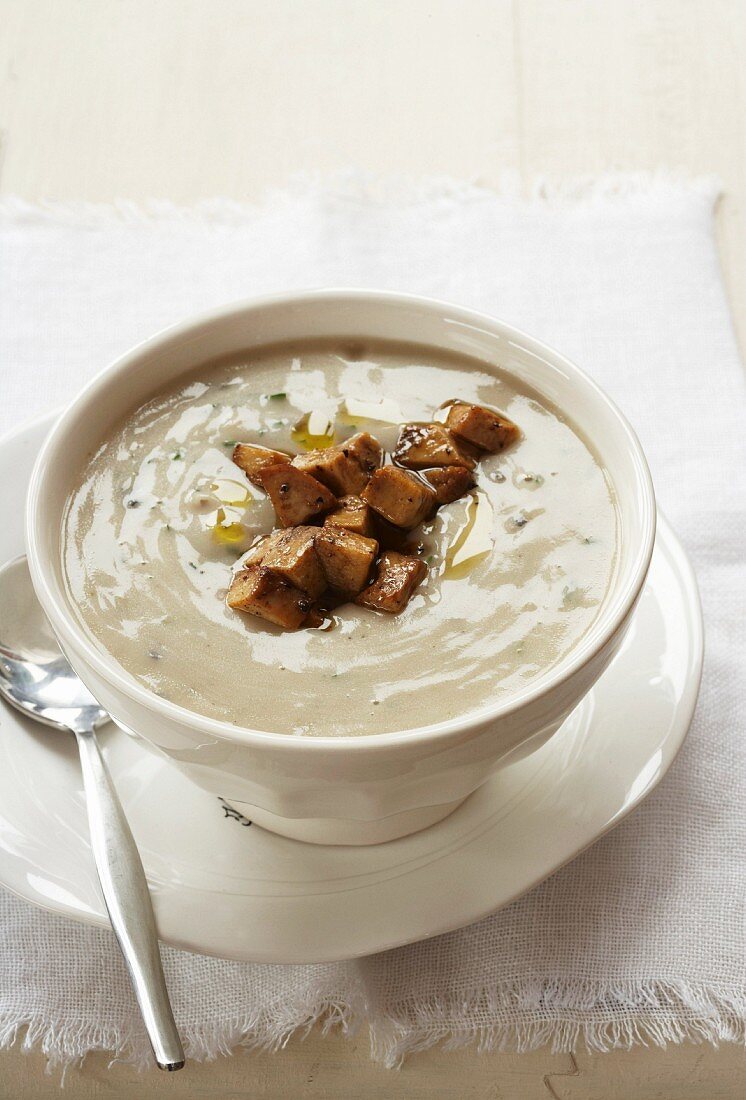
(277,396)
(230,442)
(177,456)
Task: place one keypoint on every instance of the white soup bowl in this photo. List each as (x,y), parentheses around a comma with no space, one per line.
(348,790)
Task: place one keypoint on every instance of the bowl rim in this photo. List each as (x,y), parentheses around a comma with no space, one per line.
(598,635)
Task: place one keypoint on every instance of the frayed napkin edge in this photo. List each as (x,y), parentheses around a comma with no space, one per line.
(67,1043)
(546,1015)
(525,1018)
(661,189)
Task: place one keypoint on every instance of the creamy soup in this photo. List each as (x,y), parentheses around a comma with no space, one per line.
(517,569)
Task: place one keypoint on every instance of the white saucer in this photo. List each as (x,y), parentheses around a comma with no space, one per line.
(224,887)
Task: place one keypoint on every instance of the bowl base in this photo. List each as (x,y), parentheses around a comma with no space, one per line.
(333,830)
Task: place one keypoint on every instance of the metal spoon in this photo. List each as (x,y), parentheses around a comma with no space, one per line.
(36,678)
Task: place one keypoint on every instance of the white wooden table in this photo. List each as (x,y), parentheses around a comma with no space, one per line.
(186,99)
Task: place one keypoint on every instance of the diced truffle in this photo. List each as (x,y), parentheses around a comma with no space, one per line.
(345,558)
(258,591)
(292,557)
(354,515)
(259,551)
(398,576)
(294,576)
(421,446)
(252,459)
(295,495)
(339,472)
(344,468)
(366,449)
(450,482)
(488,430)
(399,497)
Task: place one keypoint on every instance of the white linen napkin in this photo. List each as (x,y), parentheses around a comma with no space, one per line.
(641,937)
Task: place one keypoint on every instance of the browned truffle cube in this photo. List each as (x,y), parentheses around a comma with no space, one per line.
(354,515)
(258,591)
(259,551)
(296,496)
(423,445)
(346,467)
(292,557)
(339,472)
(399,497)
(366,449)
(252,459)
(346,559)
(482,427)
(450,482)
(398,576)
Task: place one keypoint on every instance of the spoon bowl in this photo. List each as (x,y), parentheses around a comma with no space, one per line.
(35,676)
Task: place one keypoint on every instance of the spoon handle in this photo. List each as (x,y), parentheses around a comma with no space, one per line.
(127,898)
